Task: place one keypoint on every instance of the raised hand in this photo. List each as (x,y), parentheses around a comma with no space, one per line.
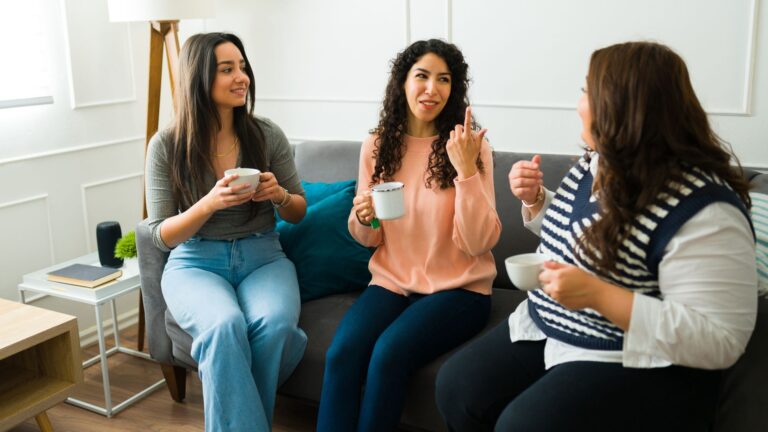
(222,195)
(363,206)
(526,178)
(463,147)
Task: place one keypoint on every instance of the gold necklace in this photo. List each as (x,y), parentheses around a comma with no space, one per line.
(234,144)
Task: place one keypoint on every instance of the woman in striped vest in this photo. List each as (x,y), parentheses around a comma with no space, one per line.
(651,286)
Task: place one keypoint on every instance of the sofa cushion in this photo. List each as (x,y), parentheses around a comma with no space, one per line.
(327,259)
(327,161)
(182,342)
(760,223)
(319,319)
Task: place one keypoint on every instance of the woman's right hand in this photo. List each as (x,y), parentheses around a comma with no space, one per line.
(526,179)
(223,195)
(363,207)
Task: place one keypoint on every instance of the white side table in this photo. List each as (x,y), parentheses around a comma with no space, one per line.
(38,282)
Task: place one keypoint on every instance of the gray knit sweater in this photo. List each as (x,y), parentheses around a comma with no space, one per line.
(227,224)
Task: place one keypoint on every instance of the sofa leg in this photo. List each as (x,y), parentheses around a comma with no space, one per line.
(176,380)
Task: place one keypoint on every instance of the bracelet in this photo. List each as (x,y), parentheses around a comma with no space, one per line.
(539,198)
(285,202)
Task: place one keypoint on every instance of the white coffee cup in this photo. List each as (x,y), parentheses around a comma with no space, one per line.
(245,176)
(388,200)
(524,269)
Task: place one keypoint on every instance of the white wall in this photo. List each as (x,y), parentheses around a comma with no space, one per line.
(66,166)
(321,68)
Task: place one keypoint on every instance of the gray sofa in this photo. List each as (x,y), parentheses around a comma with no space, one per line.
(744,395)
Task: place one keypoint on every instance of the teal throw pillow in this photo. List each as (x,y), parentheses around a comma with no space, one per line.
(327,259)
(760,222)
(316,192)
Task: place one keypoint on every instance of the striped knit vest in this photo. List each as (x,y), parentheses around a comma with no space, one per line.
(574,208)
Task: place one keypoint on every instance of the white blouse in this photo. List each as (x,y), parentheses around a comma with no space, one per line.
(708,281)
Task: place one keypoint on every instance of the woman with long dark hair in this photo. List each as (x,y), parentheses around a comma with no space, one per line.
(651,289)
(432,269)
(227,281)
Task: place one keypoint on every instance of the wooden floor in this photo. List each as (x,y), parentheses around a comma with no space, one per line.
(157,412)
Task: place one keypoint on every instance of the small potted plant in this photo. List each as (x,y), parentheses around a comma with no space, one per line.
(126,247)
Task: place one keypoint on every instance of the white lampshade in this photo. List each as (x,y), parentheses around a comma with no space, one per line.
(159,10)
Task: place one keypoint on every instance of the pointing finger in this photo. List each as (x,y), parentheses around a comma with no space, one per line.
(468,119)
(536,159)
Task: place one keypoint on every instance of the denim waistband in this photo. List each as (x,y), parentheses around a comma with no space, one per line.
(248,237)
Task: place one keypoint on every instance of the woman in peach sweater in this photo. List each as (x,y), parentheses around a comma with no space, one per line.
(432,270)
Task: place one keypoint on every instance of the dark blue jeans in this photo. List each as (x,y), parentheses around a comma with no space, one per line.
(382,340)
(494,384)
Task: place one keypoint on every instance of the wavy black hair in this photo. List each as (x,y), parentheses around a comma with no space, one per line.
(393,118)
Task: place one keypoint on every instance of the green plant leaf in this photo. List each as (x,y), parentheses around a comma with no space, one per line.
(126,246)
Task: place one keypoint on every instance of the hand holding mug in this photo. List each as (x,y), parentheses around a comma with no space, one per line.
(526,179)
(269,189)
(569,285)
(224,195)
(463,147)
(362,204)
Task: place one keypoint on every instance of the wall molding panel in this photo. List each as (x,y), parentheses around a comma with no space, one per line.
(99,56)
(74,149)
(743,110)
(44,198)
(285,99)
(752,57)
(84,200)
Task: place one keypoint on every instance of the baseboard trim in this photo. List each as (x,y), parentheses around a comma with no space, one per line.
(90,336)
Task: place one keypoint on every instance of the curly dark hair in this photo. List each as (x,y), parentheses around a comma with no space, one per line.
(393,118)
(648,127)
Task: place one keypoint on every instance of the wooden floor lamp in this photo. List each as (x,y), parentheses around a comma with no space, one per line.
(163,17)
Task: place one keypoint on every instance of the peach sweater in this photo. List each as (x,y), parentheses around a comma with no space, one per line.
(444,240)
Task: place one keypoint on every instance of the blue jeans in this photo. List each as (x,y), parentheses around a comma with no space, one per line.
(239,300)
(382,340)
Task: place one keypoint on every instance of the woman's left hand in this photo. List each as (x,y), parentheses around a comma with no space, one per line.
(464,146)
(269,189)
(570,286)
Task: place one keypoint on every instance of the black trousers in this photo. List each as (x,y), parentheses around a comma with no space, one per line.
(494,384)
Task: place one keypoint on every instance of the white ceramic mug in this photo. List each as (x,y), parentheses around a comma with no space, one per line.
(245,176)
(388,200)
(524,269)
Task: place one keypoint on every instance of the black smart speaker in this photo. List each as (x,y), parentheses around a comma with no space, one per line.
(107,235)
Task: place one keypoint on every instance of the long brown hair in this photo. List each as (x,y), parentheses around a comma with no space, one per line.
(197,119)
(393,118)
(648,127)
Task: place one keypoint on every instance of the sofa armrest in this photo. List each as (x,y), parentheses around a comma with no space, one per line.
(151,264)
